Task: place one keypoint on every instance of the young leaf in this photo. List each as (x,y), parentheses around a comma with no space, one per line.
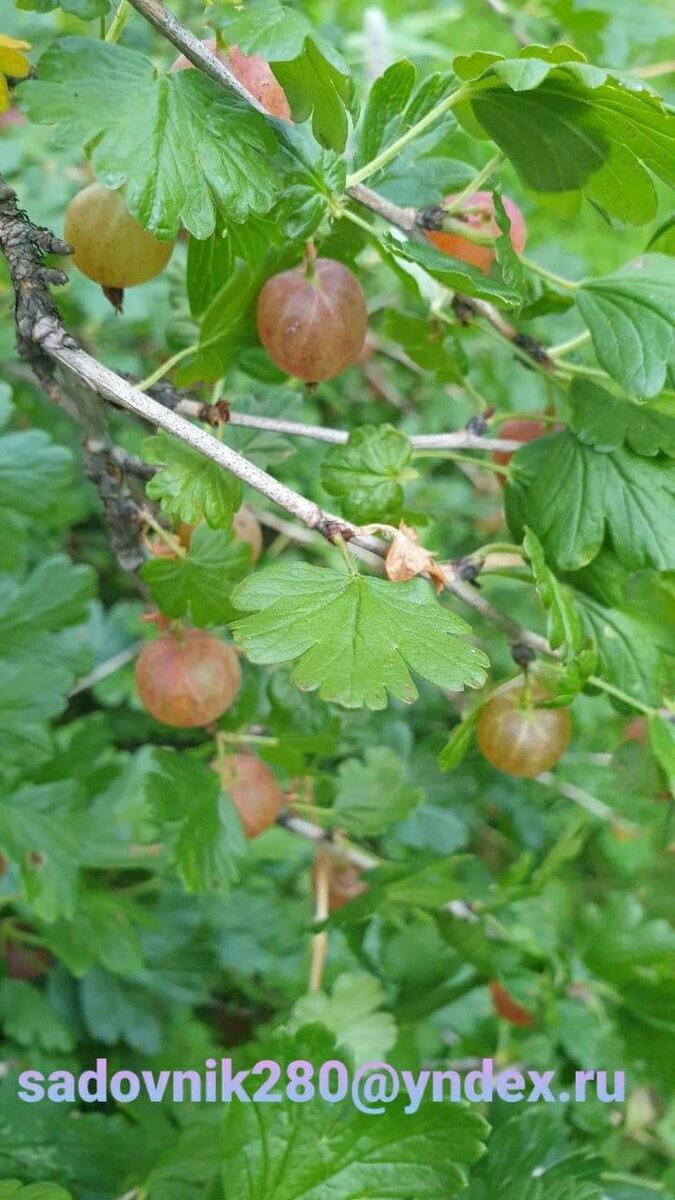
(366,474)
(606,422)
(564,625)
(200,581)
(631,316)
(372,795)
(190,486)
(185,149)
(352,637)
(571,496)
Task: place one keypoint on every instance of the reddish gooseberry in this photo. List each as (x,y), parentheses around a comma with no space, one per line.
(254,789)
(313,320)
(518,737)
(253,72)
(187,679)
(478,213)
(109,245)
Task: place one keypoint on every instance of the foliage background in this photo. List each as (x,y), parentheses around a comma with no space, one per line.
(153,966)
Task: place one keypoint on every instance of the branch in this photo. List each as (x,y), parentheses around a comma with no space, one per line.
(222,414)
(189,45)
(24,246)
(502,10)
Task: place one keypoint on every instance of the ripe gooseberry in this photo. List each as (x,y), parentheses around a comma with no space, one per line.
(505,1006)
(519,738)
(187,679)
(109,245)
(478,213)
(253,72)
(313,320)
(254,789)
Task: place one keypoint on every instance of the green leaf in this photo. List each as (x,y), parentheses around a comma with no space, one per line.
(316,87)
(394,105)
(201,580)
(512,268)
(663,241)
(635,638)
(262,446)
(351,1013)
(662,743)
(631,316)
(572,496)
(314,77)
(186,150)
(86,10)
(104,929)
(38,834)
(372,795)
(287,1151)
(459,741)
(190,486)
(567,125)
(450,271)
(29,1019)
(387,101)
(607,422)
(366,474)
(530,1159)
(33,472)
(354,638)
(200,821)
(310,176)
(564,624)
(12,1189)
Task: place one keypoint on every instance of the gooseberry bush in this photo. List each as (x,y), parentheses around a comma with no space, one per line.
(337,498)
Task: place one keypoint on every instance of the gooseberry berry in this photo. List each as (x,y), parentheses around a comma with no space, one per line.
(109,245)
(187,679)
(520,738)
(478,213)
(253,72)
(254,789)
(508,1008)
(312,320)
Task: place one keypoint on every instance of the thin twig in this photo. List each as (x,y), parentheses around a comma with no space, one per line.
(502,10)
(590,803)
(109,667)
(321,912)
